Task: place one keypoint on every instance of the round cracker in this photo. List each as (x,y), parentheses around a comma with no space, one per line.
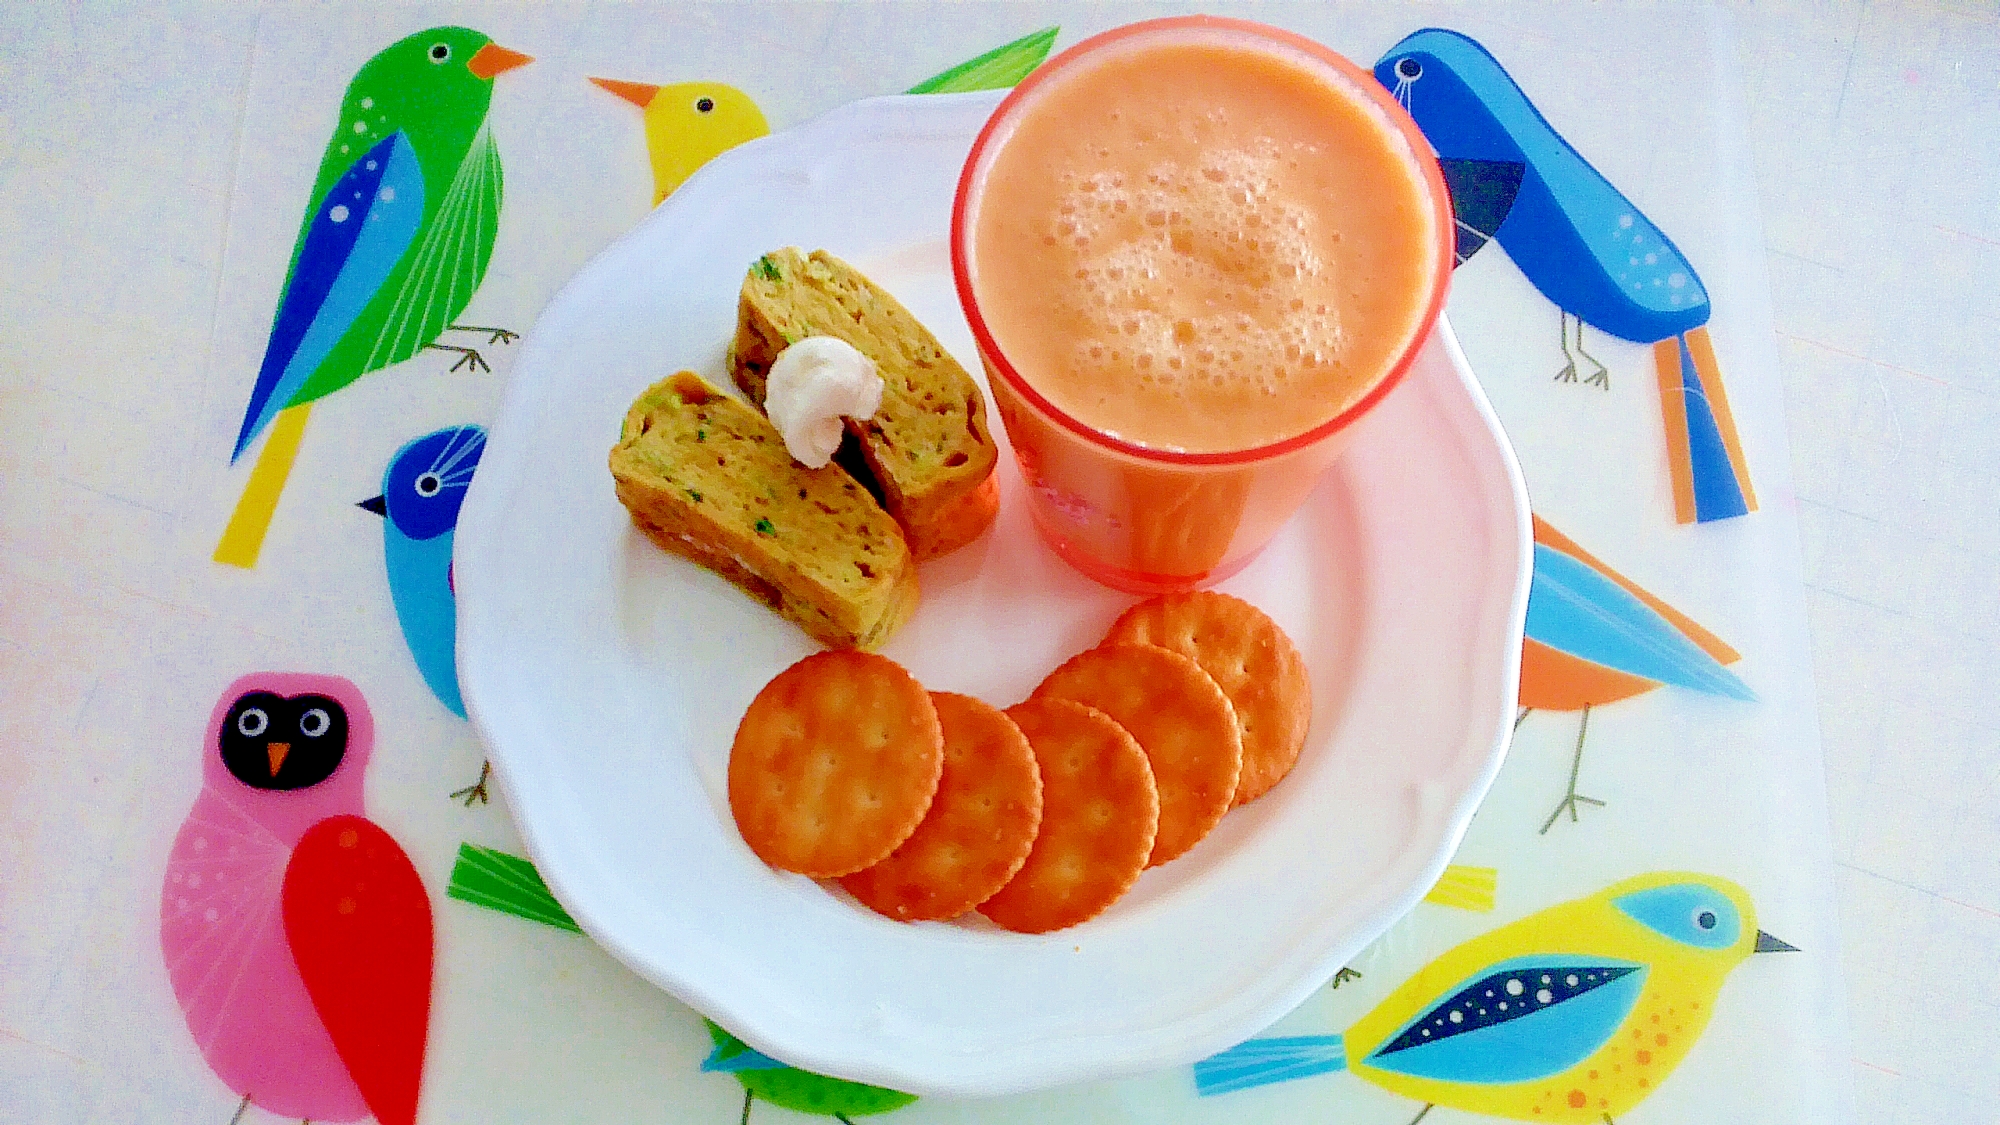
(980,826)
(834,764)
(1099,813)
(1181,720)
(1250,658)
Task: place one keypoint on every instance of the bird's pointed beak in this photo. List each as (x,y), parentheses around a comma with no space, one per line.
(638,93)
(377,504)
(1768,944)
(494,59)
(276,751)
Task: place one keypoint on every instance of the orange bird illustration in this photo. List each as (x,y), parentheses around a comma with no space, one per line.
(1595,637)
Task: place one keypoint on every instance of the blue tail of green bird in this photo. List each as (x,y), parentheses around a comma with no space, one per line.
(1260,1062)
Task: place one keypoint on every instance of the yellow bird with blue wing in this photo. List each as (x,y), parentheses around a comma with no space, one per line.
(1573,1014)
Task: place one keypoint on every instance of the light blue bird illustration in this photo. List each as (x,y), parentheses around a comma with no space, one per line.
(421,493)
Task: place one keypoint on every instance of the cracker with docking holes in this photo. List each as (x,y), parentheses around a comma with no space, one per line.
(980,826)
(834,764)
(1250,658)
(1180,718)
(1099,813)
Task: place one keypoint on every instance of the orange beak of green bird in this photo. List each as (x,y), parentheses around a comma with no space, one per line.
(494,59)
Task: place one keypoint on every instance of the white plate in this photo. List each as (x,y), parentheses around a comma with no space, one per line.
(607,677)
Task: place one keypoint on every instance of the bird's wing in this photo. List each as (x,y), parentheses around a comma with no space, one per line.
(450,260)
(1482,192)
(1574,609)
(1518,1021)
(216,908)
(359,924)
(359,226)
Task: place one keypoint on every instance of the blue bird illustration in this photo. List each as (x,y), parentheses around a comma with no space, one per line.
(1594,637)
(1574,1014)
(1514,180)
(421,493)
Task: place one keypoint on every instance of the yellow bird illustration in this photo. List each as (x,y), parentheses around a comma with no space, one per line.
(689,124)
(1573,1014)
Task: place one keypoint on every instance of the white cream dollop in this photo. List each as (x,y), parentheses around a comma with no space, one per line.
(812,385)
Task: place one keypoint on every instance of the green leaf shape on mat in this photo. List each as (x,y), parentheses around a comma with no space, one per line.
(997,69)
(803,1091)
(507,883)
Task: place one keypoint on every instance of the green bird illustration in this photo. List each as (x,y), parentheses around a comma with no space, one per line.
(394,242)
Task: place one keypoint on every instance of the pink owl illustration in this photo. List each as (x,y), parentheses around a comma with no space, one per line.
(296,932)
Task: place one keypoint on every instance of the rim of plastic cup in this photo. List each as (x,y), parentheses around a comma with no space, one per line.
(1357,81)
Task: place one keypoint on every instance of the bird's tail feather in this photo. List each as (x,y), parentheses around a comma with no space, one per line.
(243,540)
(1463,887)
(1260,1062)
(1711,481)
(507,883)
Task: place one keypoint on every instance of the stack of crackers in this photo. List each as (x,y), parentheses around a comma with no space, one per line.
(927,805)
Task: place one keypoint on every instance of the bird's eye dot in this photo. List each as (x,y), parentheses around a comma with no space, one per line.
(1409,70)
(704,105)
(315,722)
(440,52)
(253,722)
(429,484)
(1705,919)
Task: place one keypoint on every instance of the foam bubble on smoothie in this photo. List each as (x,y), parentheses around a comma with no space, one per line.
(1200,273)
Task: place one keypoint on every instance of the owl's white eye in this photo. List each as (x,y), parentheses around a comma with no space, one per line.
(253,722)
(1409,70)
(440,52)
(429,484)
(315,722)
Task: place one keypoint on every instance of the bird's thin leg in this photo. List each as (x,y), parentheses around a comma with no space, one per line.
(1568,373)
(1343,976)
(477,790)
(493,335)
(1576,764)
(842,1118)
(466,357)
(745,1119)
(1602,376)
(1522,718)
(240,1107)
(1428,1106)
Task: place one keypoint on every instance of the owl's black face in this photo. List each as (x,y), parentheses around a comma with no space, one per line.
(270,741)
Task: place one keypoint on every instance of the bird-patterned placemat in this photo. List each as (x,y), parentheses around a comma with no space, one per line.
(305,903)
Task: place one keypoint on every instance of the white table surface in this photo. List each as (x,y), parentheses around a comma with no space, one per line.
(1874,129)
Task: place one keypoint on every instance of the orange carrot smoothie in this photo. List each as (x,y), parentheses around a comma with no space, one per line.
(1193,246)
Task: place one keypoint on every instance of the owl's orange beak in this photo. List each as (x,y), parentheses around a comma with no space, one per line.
(638,93)
(277,751)
(494,59)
